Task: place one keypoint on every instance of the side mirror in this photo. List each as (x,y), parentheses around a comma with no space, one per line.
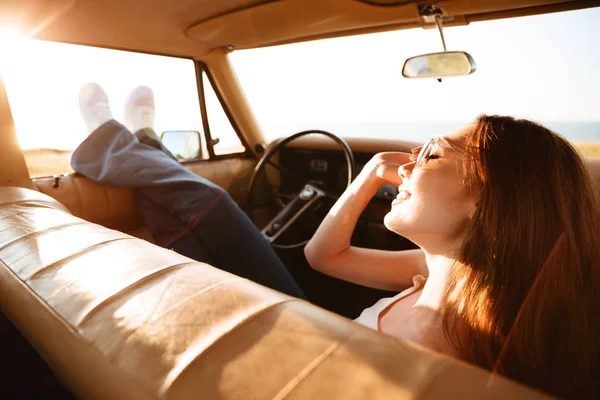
(185,145)
(439,65)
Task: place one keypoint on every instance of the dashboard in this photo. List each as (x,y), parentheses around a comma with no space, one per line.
(326,169)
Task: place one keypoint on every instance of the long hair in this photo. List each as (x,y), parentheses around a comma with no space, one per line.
(527,282)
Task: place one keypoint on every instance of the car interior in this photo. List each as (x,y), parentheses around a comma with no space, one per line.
(92,308)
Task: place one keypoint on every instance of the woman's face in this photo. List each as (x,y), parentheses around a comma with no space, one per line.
(433,204)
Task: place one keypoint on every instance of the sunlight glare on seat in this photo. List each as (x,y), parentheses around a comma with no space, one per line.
(10,38)
(48,249)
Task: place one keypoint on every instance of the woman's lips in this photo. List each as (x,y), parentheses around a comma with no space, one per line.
(402,196)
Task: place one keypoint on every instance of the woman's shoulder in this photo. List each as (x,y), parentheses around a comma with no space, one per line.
(370,316)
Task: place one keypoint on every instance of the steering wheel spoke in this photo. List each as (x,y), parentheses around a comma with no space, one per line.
(307,196)
(292,211)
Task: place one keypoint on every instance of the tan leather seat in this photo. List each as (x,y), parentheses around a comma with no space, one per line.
(108,206)
(119,318)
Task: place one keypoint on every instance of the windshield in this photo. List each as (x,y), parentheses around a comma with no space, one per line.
(545,68)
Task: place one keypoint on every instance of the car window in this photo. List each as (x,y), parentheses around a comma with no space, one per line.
(544,67)
(43,81)
(219,124)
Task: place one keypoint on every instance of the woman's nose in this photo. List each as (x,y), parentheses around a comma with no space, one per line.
(405,170)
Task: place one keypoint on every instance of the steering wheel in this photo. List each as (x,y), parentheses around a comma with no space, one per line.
(307,196)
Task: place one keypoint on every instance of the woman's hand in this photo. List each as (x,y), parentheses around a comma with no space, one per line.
(385,166)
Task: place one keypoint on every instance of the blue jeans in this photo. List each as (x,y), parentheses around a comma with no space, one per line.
(183,211)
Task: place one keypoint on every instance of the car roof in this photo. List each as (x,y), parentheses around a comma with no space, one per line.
(192,28)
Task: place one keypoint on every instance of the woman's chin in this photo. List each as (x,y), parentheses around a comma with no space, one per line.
(393,221)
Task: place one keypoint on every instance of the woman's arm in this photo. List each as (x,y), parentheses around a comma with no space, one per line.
(329,250)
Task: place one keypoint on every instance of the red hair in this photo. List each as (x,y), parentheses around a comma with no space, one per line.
(527,280)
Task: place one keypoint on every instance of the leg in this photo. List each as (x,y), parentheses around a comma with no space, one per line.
(238,247)
(220,232)
(113,156)
(228,240)
(190,246)
(148,137)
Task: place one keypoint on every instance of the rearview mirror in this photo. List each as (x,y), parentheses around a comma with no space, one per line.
(439,65)
(185,145)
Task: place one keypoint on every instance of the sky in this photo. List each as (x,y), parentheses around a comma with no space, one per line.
(544,67)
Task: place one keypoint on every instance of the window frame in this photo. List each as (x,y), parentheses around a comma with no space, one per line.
(201,68)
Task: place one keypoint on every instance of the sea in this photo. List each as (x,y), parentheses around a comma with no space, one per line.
(420,131)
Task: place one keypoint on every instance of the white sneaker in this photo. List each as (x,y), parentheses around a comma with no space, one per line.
(94,107)
(139,109)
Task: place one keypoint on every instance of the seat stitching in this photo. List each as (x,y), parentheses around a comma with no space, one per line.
(29,253)
(204,290)
(138,280)
(13,215)
(310,368)
(78,336)
(39,270)
(68,285)
(31,234)
(169,379)
(52,204)
(432,375)
(190,297)
(23,256)
(162,295)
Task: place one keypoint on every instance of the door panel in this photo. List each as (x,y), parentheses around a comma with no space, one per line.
(115,207)
(232,174)
(108,206)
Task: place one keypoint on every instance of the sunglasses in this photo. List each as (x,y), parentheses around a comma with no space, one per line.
(431,145)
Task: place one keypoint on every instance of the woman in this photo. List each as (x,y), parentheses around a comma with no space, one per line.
(504,211)
(507,218)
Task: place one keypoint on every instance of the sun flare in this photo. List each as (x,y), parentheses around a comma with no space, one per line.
(10,40)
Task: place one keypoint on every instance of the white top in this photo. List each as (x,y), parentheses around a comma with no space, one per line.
(370,316)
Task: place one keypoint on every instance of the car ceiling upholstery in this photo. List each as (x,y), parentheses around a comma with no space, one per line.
(192,28)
